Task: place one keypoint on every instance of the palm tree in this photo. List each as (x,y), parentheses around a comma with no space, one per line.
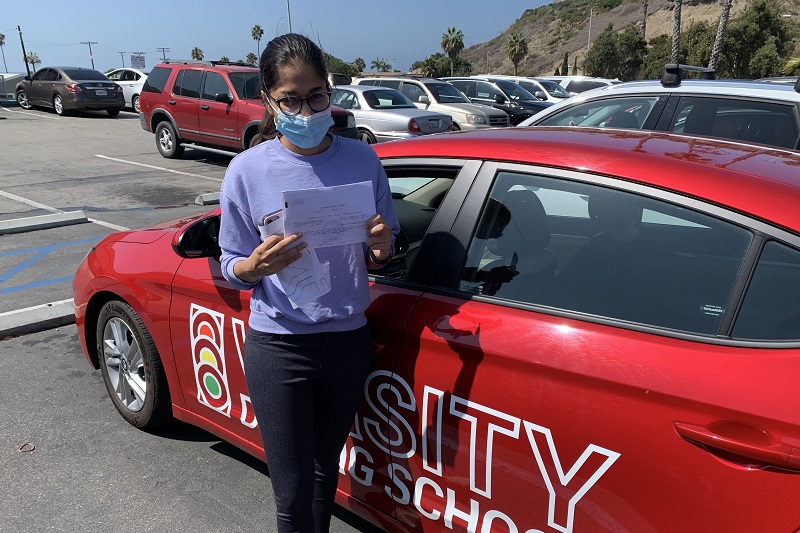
(359,64)
(381,65)
(676,32)
(723,22)
(197,54)
(516,49)
(452,44)
(2,44)
(33,59)
(252,59)
(792,65)
(224,59)
(644,19)
(257,33)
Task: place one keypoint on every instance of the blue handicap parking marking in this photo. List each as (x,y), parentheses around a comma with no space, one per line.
(36,255)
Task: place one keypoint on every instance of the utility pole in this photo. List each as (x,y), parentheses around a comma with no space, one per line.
(24,55)
(163,52)
(589,42)
(90,43)
(123,58)
(289,16)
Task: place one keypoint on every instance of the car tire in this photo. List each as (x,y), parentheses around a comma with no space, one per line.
(58,105)
(366,136)
(131,367)
(167,141)
(455,127)
(255,140)
(112,112)
(22,100)
(135,103)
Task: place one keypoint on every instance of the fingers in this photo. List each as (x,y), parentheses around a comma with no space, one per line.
(276,253)
(379,235)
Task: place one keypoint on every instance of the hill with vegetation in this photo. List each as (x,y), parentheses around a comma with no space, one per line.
(568,26)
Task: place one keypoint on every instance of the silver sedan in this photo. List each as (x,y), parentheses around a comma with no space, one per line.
(384,114)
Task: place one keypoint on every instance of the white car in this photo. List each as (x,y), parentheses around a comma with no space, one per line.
(131,80)
(747,111)
(436,95)
(541,88)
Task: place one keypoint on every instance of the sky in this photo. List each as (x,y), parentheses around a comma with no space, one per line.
(399,32)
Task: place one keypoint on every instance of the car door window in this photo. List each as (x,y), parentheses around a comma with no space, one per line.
(412,91)
(605,113)
(213,85)
(114,76)
(744,120)
(345,99)
(771,307)
(39,76)
(605,252)
(188,83)
(394,84)
(486,90)
(466,87)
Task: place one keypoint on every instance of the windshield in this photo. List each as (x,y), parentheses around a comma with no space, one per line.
(514,91)
(85,75)
(444,93)
(387,99)
(245,84)
(554,89)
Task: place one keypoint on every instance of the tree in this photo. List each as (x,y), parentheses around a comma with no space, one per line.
(658,52)
(257,33)
(723,23)
(792,66)
(381,65)
(33,59)
(557,72)
(452,45)
(565,64)
(2,44)
(697,43)
(335,64)
(575,66)
(676,32)
(197,54)
(224,59)
(252,59)
(438,66)
(601,60)
(516,49)
(644,19)
(631,50)
(359,64)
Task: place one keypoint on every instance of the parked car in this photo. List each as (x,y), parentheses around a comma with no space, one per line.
(583,330)
(579,84)
(501,94)
(750,111)
(431,94)
(131,80)
(213,104)
(70,89)
(542,89)
(384,114)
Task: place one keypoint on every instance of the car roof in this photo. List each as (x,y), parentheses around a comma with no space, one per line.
(233,67)
(761,181)
(748,88)
(366,88)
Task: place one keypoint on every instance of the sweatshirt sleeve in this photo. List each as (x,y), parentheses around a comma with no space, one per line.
(383,202)
(237,239)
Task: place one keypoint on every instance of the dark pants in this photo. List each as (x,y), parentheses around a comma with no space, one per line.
(305,390)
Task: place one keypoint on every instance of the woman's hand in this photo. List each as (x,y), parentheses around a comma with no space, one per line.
(379,240)
(270,257)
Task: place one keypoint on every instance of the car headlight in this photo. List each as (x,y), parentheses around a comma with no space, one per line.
(476,119)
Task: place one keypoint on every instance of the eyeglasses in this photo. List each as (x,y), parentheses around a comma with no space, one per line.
(292,105)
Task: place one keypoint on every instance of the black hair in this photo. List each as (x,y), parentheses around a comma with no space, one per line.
(280,52)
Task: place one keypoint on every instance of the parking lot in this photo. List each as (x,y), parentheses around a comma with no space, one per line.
(90,175)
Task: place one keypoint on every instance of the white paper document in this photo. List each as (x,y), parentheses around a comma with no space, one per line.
(329,216)
(303,281)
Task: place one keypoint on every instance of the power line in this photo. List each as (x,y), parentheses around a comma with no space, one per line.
(90,43)
(121,54)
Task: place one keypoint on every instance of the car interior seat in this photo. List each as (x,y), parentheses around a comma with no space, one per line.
(523,246)
(595,278)
(624,120)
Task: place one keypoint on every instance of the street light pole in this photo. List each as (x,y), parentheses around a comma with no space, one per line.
(90,43)
(123,58)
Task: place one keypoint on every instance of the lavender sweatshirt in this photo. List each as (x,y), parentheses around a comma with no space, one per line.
(252,188)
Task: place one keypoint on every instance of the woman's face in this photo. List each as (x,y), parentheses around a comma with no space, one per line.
(297,79)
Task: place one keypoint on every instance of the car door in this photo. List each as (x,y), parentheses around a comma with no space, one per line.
(185,102)
(118,77)
(42,87)
(574,366)
(218,121)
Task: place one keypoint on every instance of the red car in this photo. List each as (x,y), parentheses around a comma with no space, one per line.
(583,330)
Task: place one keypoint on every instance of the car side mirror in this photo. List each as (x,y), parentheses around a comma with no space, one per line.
(223,97)
(27,78)
(500,99)
(199,239)
(540,95)
(424,100)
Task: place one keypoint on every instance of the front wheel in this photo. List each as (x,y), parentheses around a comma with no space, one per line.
(135,103)
(366,136)
(22,100)
(167,141)
(58,105)
(131,366)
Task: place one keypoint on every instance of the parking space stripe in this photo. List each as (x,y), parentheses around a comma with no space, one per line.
(158,168)
(35,284)
(29,202)
(38,254)
(29,113)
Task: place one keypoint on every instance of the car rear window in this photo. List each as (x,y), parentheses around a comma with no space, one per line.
(156,80)
(85,75)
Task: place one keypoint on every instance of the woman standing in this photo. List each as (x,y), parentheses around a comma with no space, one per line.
(305,365)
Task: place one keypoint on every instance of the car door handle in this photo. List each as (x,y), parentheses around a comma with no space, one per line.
(172,102)
(204,107)
(768,451)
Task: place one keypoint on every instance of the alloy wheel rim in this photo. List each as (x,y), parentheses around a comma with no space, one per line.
(165,140)
(124,364)
(58,105)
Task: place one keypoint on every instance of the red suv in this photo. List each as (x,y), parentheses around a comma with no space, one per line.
(211,104)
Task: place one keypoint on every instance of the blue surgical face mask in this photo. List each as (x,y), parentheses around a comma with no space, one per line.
(304,132)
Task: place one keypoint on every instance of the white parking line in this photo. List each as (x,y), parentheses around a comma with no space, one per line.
(29,113)
(54,210)
(158,168)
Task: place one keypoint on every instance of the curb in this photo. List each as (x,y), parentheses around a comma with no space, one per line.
(53,220)
(207,199)
(37,318)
